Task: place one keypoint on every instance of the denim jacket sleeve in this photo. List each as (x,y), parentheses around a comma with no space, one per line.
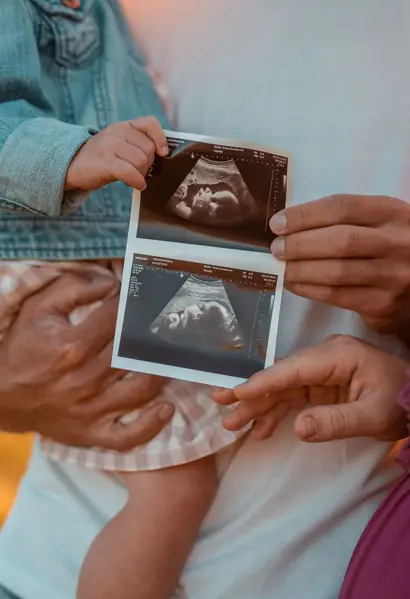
(35,148)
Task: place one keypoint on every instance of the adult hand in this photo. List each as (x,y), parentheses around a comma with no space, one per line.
(56,379)
(350,386)
(352,252)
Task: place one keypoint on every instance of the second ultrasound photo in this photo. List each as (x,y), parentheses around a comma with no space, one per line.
(196,316)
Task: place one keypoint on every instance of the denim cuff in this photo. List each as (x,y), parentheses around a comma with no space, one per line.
(33,165)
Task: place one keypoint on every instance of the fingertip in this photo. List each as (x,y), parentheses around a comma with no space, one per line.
(230,424)
(278,223)
(166,412)
(306,427)
(224,396)
(278,248)
(163,150)
(241,391)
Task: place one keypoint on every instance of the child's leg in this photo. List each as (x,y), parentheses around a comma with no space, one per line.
(141,553)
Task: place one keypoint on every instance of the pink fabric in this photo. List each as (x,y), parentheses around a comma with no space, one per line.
(195,430)
(378,568)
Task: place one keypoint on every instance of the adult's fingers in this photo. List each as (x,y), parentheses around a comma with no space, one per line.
(122,170)
(127,394)
(135,156)
(367,211)
(151,127)
(249,410)
(265,425)
(341,421)
(124,437)
(369,300)
(337,241)
(62,296)
(338,272)
(92,377)
(331,363)
(91,336)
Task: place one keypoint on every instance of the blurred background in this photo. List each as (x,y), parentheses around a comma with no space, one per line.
(14,455)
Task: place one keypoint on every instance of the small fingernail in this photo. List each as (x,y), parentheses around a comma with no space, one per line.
(278,248)
(310,427)
(220,390)
(278,223)
(164,149)
(229,423)
(166,412)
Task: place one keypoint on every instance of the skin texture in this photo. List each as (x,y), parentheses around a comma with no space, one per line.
(121,152)
(353,252)
(63,387)
(351,389)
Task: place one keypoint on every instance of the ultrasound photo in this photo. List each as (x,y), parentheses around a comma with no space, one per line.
(190,315)
(200,313)
(214,194)
(208,194)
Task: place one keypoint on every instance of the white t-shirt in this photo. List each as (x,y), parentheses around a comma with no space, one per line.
(327,81)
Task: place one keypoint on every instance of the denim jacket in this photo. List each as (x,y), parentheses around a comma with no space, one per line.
(65,72)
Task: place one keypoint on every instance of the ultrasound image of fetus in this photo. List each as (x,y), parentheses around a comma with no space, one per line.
(200,316)
(214,194)
(218,207)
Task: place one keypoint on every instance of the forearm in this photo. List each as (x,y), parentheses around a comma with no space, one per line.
(35,148)
(157,529)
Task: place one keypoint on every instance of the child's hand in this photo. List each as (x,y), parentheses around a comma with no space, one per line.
(350,387)
(121,152)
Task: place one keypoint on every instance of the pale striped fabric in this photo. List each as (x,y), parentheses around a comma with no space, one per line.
(195,430)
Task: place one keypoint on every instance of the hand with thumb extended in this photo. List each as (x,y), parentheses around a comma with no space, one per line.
(346,387)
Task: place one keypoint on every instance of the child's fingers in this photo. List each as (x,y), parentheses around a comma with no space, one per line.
(124,171)
(151,127)
(137,139)
(135,156)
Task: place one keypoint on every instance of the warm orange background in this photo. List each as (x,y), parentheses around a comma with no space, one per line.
(14,453)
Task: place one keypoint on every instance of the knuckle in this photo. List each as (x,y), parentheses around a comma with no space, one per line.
(342,272)
(344,205)
(150,148)
(299,216)
(118,442)
(400,210)
(124,171)
(397,278)
(141,162)
(145,386)
(69,353)
(385,304)
(149,121)
(338,339)
(114,130)
(344,342)
(330,294)
(294,246)
(348,241)
(338,422)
